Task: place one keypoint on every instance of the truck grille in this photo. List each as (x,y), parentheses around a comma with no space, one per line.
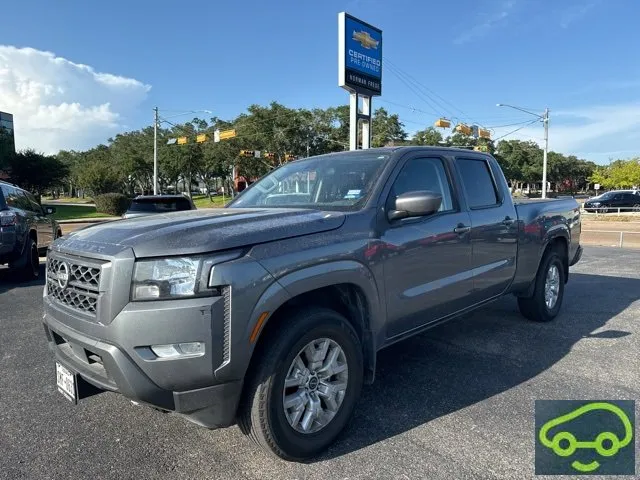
(80,291)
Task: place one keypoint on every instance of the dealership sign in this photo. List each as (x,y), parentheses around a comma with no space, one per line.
(359,56)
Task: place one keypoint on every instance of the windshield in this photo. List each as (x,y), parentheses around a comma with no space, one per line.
(158,205)
(335,182)
(606,196)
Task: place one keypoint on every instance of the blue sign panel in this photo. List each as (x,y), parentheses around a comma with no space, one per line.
(362,56)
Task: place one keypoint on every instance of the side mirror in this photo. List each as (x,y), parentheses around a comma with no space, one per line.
(415,204)
(50,210)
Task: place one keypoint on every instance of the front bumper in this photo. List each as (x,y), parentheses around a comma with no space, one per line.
(116,357)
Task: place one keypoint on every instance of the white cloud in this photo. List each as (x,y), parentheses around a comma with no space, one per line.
(575,12)
(58,104)
(599,131)
(607,86)
(486,23)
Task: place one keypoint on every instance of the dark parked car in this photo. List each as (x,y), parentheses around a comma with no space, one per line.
(150,204)
(26,230)
(270,312)
(625,200)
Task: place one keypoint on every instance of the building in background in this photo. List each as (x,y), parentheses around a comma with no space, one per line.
(7,138)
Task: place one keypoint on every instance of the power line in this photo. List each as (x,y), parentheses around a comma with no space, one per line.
(424,91)
(428,90)
(509,124)
(416,92)
(414,109)
(517,129)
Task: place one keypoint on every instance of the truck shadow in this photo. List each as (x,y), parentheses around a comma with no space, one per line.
(476,357)
(9,281)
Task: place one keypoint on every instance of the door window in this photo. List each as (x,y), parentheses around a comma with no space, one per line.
(478,183)
(424,174)
(23,201)
(35,206)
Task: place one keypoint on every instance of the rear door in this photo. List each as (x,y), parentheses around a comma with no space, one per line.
(631,202)
(426,262)
(494,239)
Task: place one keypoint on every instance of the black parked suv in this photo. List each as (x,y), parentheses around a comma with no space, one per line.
(26,230)
(625,200)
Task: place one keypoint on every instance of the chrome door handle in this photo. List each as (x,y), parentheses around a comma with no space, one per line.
(461,229)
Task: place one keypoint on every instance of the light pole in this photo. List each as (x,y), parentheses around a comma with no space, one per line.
(156,123)
(545,120)
(155,151)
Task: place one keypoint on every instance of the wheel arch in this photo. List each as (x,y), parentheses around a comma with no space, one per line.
(557,239)
(347,287)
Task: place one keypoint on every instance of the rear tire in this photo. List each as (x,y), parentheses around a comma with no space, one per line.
(262,415)
(28,265)
(544,305)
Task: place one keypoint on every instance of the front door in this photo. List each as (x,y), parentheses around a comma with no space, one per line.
(44,224)
(427,260)
(494,228)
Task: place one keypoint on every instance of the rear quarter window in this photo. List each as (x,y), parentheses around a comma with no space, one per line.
(160,205)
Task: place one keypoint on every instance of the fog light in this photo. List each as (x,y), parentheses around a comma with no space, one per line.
(179,350)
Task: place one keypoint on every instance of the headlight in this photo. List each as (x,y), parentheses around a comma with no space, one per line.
(165,278)
(595,204)
(177,277)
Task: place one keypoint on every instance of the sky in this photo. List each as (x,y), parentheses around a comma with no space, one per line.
(75,73)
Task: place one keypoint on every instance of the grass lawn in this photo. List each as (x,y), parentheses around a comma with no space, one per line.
(67,212)
(67,200)
(202,201)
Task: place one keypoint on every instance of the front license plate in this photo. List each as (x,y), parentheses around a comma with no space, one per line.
(66,382)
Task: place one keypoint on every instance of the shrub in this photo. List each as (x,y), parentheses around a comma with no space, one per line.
(112,203)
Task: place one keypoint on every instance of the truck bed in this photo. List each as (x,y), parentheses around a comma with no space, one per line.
(536,218)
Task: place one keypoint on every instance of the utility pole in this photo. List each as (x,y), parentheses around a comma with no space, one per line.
(155,151)
(545,121)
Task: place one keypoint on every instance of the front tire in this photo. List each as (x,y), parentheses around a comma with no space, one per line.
(544,305)
(306,382)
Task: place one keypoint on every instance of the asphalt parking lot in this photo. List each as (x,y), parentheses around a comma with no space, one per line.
(455,402)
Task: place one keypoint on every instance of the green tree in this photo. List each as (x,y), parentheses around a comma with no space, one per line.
(460,140)
(97,173)
(132,155)
(387,129)
(428,136)
(36,172)
(72,160)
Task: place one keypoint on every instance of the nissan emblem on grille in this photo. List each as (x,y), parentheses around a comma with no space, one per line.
(63,275)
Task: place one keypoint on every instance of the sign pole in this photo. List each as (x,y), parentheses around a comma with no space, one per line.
(353,121)
(359,72)
(366,124)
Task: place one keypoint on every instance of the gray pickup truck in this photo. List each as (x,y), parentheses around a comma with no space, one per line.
(269,313)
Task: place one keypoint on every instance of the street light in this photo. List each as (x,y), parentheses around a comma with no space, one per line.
(156,122)
(545,120)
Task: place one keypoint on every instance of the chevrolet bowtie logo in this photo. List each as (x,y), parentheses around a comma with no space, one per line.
(366,40)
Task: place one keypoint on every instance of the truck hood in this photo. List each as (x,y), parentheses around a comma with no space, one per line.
(199,231)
